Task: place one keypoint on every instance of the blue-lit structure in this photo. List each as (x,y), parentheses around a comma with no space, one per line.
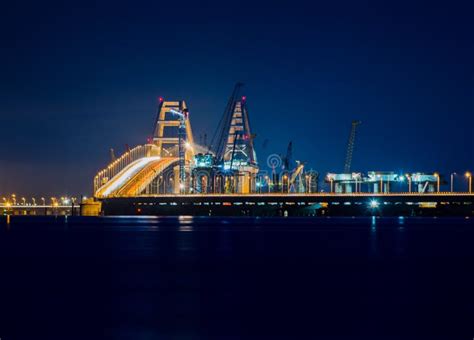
(382,182)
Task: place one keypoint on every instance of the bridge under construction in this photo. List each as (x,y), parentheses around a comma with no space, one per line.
(173,170)
(173,163)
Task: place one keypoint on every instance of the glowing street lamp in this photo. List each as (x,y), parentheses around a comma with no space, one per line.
(267,179)
(469,177)
(452,181)
(437,181)
(285,182)
(409,182)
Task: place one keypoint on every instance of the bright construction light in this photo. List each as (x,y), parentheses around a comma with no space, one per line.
(468,174)
(187,145)
(374,204)
(402,179)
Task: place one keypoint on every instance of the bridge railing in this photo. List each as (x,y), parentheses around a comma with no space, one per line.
(128,157)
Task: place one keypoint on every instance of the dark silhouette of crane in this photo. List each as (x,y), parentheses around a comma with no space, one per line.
(350,146)
(288,157)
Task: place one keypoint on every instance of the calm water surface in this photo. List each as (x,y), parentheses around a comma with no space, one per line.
(234,278)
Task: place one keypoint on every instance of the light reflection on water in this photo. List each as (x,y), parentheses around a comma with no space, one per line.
(198,273)
(183,220)
(185,236)
(185,228)
(373,236)
(400,236)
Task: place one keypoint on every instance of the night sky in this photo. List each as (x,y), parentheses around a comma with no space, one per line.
(78,78)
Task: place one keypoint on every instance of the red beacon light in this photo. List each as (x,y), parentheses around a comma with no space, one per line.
(244,98)
(160,99)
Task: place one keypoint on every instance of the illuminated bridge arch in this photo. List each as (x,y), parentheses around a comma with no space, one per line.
(152,168)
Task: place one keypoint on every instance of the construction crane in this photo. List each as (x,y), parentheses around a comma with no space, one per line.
(296,174)
(350,146)
(182,116)
(219,140)
(287,158)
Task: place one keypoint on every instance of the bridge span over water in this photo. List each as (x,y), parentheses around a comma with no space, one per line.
(170,152)
(172,174)
(172,163)
(318,204)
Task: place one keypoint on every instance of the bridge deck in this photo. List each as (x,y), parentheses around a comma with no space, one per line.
(296,204)
(134,176)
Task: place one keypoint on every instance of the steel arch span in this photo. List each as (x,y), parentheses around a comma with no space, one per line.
(137,169)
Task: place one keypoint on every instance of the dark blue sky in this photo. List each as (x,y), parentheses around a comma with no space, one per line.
(79,78)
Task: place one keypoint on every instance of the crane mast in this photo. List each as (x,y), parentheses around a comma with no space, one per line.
(350,146)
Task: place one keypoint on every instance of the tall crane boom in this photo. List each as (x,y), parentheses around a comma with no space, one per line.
(288,157)
(219,140)
(350,146)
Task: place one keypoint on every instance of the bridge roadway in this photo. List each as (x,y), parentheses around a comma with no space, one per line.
(293,204)
(20,209)
(135,176)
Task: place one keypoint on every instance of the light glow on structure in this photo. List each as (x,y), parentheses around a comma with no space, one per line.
(236,164)
(203,161)
(121,179)
(374,204)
